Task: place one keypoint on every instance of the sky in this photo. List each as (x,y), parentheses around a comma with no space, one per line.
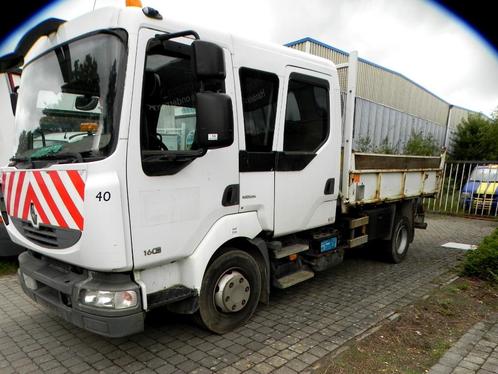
(413,37)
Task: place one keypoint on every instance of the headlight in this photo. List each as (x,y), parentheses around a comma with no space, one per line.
(109,299)
(465,195)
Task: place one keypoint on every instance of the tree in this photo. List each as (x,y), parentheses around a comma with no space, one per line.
(494,115)
(489,141)
(476,138)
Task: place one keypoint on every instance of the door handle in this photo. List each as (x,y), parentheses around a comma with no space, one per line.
(230,195)
(329,186)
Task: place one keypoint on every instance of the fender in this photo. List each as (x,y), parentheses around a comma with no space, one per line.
(189,272)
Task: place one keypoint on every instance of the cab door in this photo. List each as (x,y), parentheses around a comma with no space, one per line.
(174,202)
(260,97)
(308,159)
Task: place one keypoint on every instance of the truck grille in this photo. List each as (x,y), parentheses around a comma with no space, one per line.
(47,236)
(483,201)
(44,236)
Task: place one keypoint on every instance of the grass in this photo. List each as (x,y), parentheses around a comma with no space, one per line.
(8,266)
(422,334)
(483,262)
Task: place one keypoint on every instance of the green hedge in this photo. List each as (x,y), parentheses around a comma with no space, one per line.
(483,261)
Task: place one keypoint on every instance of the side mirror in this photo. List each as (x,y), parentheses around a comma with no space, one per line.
(13,101)
(214,120)
(209,62)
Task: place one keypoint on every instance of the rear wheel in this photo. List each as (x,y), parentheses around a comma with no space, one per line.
(230,291)
(396,248)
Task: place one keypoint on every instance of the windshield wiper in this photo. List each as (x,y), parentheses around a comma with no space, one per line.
(20,159)
(15,160)
(63,156)
(54,156)
(92,155)
(60,156)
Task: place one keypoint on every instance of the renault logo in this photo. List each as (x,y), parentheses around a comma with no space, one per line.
(34,216)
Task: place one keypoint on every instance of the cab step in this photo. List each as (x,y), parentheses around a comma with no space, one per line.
(359,240)
(293,278)
(282,252)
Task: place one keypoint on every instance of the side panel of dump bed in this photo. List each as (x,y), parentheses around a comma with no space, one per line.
(374,178)
(377,178)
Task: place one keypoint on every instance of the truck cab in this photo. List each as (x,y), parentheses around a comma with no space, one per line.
(204,168)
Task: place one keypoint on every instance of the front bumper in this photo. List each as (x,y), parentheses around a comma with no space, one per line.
(481,203)
(58,287)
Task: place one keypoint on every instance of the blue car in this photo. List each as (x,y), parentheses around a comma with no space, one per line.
(480,193)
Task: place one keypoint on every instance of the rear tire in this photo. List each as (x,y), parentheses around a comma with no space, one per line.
(230,291)
(396,248)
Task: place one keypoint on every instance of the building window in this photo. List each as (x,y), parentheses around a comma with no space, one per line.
(307,114)
(259,102)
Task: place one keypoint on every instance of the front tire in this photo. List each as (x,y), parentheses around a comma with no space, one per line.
(396,249)
(230,291)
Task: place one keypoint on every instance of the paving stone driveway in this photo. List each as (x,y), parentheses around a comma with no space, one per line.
(302,324)
(476,351)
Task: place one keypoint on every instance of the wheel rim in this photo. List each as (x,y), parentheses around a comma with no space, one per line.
(232,291)
(401,240)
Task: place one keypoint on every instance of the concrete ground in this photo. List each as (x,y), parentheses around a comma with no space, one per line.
(300,326)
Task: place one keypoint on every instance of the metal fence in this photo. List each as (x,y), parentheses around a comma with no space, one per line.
(467,188)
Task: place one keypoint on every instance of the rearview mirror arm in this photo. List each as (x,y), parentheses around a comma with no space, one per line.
(164,37)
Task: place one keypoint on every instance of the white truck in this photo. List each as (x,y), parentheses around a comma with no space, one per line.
(210,172)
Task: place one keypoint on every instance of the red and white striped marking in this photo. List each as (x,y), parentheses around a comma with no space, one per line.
(57,196)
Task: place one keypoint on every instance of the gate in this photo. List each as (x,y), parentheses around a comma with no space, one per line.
(467,188)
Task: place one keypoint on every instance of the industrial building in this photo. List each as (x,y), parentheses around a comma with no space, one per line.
(390,106)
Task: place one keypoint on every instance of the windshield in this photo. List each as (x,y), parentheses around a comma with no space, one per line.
(69,101)
(484,175)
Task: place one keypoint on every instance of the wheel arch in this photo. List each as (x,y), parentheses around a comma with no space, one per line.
(242,228)
(394,211)
(407,209)
(257,249)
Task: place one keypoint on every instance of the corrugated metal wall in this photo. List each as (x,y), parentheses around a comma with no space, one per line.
(384,86)
(319,50)
(390,105)
(389,89)
(457,115)
(343,78)
(300,47)
(376,123)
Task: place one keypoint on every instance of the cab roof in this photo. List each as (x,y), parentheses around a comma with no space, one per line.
(132,19)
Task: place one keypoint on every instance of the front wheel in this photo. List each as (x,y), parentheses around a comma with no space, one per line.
(230,291)
(396,248)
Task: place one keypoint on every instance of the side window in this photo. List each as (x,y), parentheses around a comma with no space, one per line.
(259,102)
(168,100)
(307,114)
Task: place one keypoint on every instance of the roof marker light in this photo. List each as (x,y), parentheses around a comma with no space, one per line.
(152,13)
(90,127)
(135,3)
